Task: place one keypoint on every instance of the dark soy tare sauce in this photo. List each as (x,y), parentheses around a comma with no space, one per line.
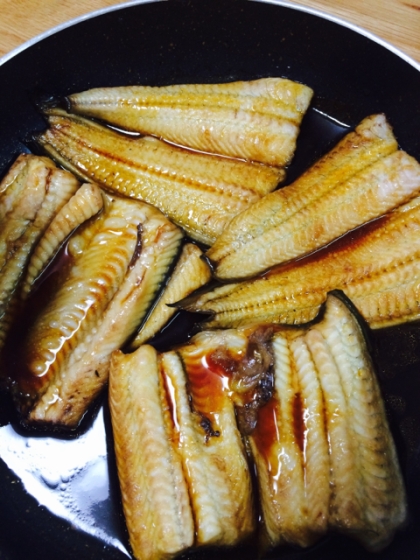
(15,356)
(82,486)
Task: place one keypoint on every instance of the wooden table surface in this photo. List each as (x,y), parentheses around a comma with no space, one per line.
(395,21)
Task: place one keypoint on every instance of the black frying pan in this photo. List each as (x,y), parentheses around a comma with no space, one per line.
(183,41)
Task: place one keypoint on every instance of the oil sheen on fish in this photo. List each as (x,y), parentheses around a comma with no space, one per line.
(198,192)
(154,492)
(257,120)
(193,418)
(88,365)
(324,453)
(85,203)
(291,457)
(308,403)
(377,267)
(377,505)
(362,178)
(117,264)
(31,193)
(255,366)
(210,444)
(191,272)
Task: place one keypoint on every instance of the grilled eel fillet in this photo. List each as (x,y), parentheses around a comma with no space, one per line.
(377,267)
(198,192)
(171,416)
(324,454)
(31,193)
(211,447)
(361,178)
(117,264)
(257,120)
(154,491)
(308,403)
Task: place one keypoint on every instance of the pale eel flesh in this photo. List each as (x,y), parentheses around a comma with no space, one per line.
(308,402)
(198,192)
(31,193)
(363,177)
(377,267)
(85,203)
(93,305)
(257,120)
(154,492)
(324,453)
(171,415)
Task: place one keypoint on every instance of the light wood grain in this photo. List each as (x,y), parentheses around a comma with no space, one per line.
(395,21)
(21,20)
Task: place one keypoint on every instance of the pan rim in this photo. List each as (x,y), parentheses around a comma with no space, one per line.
(282,3)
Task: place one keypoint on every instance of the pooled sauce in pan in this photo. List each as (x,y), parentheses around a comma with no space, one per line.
(73,477)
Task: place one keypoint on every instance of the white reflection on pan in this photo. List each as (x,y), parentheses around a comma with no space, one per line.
(69,477)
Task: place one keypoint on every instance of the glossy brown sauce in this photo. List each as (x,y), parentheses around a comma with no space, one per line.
(266,433)
(350,240)
(299,428)
(17,354)
(209,383)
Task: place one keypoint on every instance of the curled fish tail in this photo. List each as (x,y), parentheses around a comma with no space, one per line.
(190,273)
